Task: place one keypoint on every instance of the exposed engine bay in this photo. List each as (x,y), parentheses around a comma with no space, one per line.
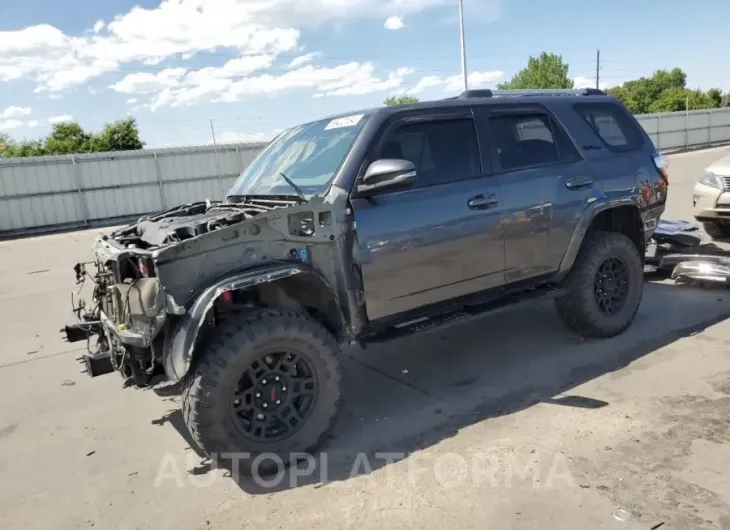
(147,276)
(192,220)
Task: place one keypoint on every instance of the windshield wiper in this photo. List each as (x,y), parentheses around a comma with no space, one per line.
(294,187)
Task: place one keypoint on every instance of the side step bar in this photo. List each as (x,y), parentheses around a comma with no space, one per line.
(462,314)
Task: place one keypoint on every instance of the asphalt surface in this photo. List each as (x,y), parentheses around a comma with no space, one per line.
(509,422)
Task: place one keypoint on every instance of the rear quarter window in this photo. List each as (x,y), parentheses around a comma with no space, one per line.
(618,131)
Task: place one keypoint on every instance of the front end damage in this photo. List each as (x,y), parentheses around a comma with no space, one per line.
(159,284)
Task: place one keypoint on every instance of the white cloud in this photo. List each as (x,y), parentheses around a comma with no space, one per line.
(362,81)
(55,96)
(475,80)
(302,60)
(56,61)
(145,83)
(394,23)
(60,119)
(456,82)
(231,82)
(10,124)
(15,112)
(91,90)
(425,83)
(132,101)
(590,82)
(32,123)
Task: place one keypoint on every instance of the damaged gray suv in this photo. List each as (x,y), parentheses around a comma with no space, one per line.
(367,227)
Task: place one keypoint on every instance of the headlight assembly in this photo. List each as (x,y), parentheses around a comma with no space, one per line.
(710,179)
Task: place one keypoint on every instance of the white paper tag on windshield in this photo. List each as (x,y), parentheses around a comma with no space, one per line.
(347,121)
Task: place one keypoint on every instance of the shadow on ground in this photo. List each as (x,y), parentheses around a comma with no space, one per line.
(412,394)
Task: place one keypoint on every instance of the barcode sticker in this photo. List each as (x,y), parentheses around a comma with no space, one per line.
(347,121)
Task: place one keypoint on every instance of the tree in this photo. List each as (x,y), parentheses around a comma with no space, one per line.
(70,137)
(716,96)
(546,71)
(67,138)
(5,142)
(641,94)
(664,91)
(121,135)
(400,100)
(675,99)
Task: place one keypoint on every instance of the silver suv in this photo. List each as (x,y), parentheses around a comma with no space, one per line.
(711,199)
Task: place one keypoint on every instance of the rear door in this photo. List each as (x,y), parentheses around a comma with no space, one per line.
(442,237)
(545,184)
(621,153)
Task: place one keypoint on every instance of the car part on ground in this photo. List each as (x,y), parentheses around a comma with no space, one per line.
(677,250)
(703,271)
(366,227)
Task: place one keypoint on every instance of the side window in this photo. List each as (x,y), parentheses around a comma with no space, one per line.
(523,140)
(617,130)
(566,148)
(442,151)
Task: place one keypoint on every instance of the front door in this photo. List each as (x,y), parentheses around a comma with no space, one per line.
(442,237)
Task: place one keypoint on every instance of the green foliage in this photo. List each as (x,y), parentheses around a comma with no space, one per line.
(715,96)
(665,91)
(121,135)
(400,100)
(5,142)
(546,71)
(67,138)
(70,138)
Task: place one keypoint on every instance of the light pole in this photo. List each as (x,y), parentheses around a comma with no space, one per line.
(463,46)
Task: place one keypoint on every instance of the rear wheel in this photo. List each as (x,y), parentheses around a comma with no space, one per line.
(716,230)
(267,386)
(605,286)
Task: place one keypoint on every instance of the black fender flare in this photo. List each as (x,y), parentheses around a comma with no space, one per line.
(181,338)
(592,209)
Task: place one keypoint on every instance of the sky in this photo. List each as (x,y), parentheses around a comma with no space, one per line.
(243,70)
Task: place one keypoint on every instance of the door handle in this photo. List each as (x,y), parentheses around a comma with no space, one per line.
(483,201)
(578,183)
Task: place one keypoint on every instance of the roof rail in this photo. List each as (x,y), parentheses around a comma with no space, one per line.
(487,93)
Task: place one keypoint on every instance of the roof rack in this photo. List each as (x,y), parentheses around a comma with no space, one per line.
(487,93)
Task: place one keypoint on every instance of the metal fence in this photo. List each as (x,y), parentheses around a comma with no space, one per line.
(43,194)
(40,194)
(676,131)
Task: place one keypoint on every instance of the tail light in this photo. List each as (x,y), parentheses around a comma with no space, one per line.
(662,165)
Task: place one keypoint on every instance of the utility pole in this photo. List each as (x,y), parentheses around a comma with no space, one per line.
(217,163)
(463,45)
(598,69)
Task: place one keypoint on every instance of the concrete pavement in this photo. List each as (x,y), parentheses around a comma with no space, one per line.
(509,422)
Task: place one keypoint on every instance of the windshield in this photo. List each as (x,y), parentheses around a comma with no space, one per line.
(308,155)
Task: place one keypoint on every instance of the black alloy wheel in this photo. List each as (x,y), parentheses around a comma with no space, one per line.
(611,286)
(275,396)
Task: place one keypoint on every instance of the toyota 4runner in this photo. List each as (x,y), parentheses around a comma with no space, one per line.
(366,227)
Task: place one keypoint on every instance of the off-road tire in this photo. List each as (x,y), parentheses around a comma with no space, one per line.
(217,369)
(716,230)
(579,310)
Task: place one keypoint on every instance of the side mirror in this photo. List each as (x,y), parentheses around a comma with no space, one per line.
(387,173)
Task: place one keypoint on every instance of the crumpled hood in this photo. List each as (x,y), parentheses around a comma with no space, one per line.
(188,221)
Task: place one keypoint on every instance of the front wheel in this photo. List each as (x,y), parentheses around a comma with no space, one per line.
(266,387)
(605,286)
